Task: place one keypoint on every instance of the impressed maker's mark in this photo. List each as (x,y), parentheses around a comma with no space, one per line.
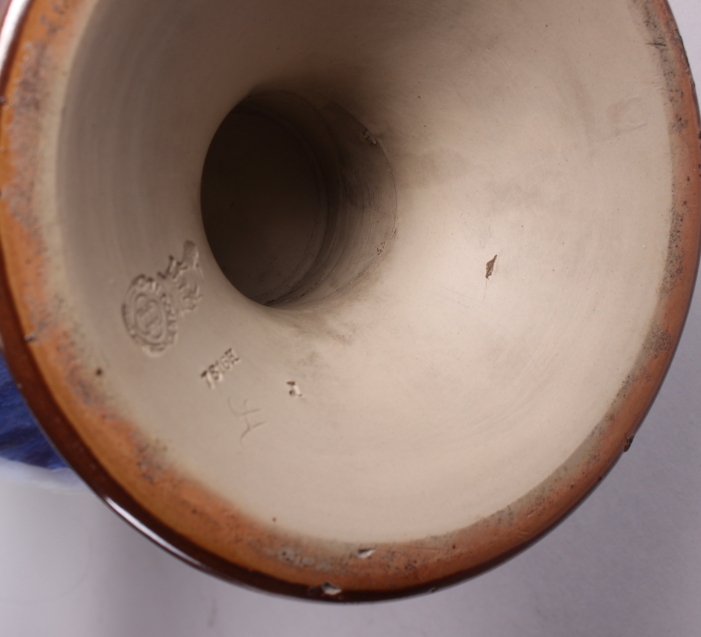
(215,372)
(152,305)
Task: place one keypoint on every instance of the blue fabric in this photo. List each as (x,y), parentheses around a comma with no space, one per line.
(20,437)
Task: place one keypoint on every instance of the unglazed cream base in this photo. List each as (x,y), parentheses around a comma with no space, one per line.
(430,395)
(442,367)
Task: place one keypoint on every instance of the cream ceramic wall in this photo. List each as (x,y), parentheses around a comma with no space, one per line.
(626,563)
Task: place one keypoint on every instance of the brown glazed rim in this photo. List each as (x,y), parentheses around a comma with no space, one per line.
(181,515)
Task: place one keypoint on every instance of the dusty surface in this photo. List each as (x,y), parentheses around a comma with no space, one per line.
(441,420)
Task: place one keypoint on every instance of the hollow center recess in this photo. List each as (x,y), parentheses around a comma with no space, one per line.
(292,196)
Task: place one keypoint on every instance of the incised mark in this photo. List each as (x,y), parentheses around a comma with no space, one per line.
(245,414)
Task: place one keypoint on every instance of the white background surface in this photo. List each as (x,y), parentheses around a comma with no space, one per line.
(626,563)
